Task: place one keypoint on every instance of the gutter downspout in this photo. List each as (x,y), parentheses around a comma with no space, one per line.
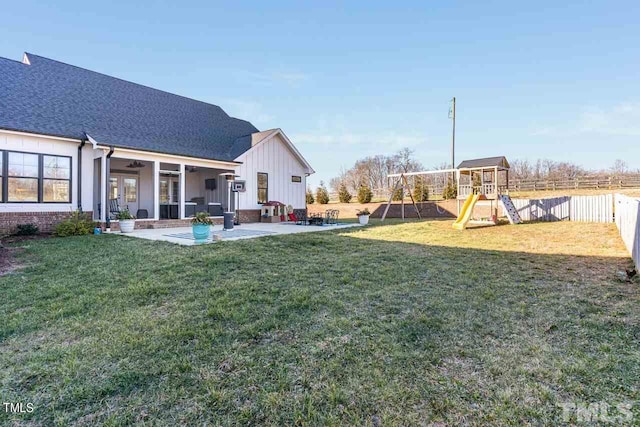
(79,178)
(106,184)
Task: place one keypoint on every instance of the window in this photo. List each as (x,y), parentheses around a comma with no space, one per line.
(164,191)
(263,188)
(295,178)
(22,177)
(34,178)
(113,187)
(56,182)
(130,189)
(175,188)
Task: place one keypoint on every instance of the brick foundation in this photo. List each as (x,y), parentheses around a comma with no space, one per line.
(46,221)
(249,215)
(444,209)
(441,209)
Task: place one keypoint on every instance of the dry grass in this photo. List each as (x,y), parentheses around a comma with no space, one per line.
(570,238)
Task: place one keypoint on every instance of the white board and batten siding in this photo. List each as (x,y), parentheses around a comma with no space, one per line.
(276,159)
(567,208)
(628,224)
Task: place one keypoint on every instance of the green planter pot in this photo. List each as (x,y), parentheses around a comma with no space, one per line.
(200,232)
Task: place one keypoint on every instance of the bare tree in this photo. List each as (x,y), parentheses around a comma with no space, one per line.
(545,169)
(619,167)
(521,169)
(404,162)
(372,171)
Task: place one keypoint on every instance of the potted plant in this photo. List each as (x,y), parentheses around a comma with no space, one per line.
(201,225)
(126,220)
(363,216)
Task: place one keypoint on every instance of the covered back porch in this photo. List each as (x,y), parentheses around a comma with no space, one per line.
(156,188)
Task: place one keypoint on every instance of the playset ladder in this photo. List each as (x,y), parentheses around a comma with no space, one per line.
(510,209)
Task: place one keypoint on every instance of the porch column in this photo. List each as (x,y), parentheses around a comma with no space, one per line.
(107,186)
(156,190)
(182,192)
(103,188)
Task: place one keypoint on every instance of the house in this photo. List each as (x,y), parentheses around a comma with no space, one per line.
(72,139)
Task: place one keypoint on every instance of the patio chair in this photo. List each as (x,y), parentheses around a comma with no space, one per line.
(301,216)
(331,216)
(327,216)
(114,207)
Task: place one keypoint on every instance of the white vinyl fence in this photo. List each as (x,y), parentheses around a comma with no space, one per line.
(591,208)
(551,209)
(628,223)
(572,208)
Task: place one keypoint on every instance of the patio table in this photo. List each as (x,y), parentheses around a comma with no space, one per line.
(316,219)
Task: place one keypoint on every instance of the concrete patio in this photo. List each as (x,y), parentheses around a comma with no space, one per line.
(183,235)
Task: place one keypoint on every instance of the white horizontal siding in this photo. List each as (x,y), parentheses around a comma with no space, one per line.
(12,141)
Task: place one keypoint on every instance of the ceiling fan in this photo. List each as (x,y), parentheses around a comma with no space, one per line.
(135,164)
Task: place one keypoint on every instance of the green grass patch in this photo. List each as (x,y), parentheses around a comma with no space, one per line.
(403,324)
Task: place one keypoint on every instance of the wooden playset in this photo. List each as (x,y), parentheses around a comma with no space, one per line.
(479,182)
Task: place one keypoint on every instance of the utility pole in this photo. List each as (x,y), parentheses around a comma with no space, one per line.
(452,115)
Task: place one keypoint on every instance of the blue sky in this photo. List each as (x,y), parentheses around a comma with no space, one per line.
(558,80)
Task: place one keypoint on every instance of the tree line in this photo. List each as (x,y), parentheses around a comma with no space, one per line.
(369,175)
(550,170)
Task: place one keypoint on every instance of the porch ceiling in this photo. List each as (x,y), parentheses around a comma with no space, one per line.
(124,153)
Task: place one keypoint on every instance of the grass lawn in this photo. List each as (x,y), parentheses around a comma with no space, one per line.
(401,324)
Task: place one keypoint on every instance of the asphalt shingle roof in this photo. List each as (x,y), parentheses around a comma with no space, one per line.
(52,98)
(488,162)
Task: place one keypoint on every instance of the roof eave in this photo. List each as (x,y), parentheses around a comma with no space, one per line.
(102,145)
(308,169)
(482,167)
(42,134)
